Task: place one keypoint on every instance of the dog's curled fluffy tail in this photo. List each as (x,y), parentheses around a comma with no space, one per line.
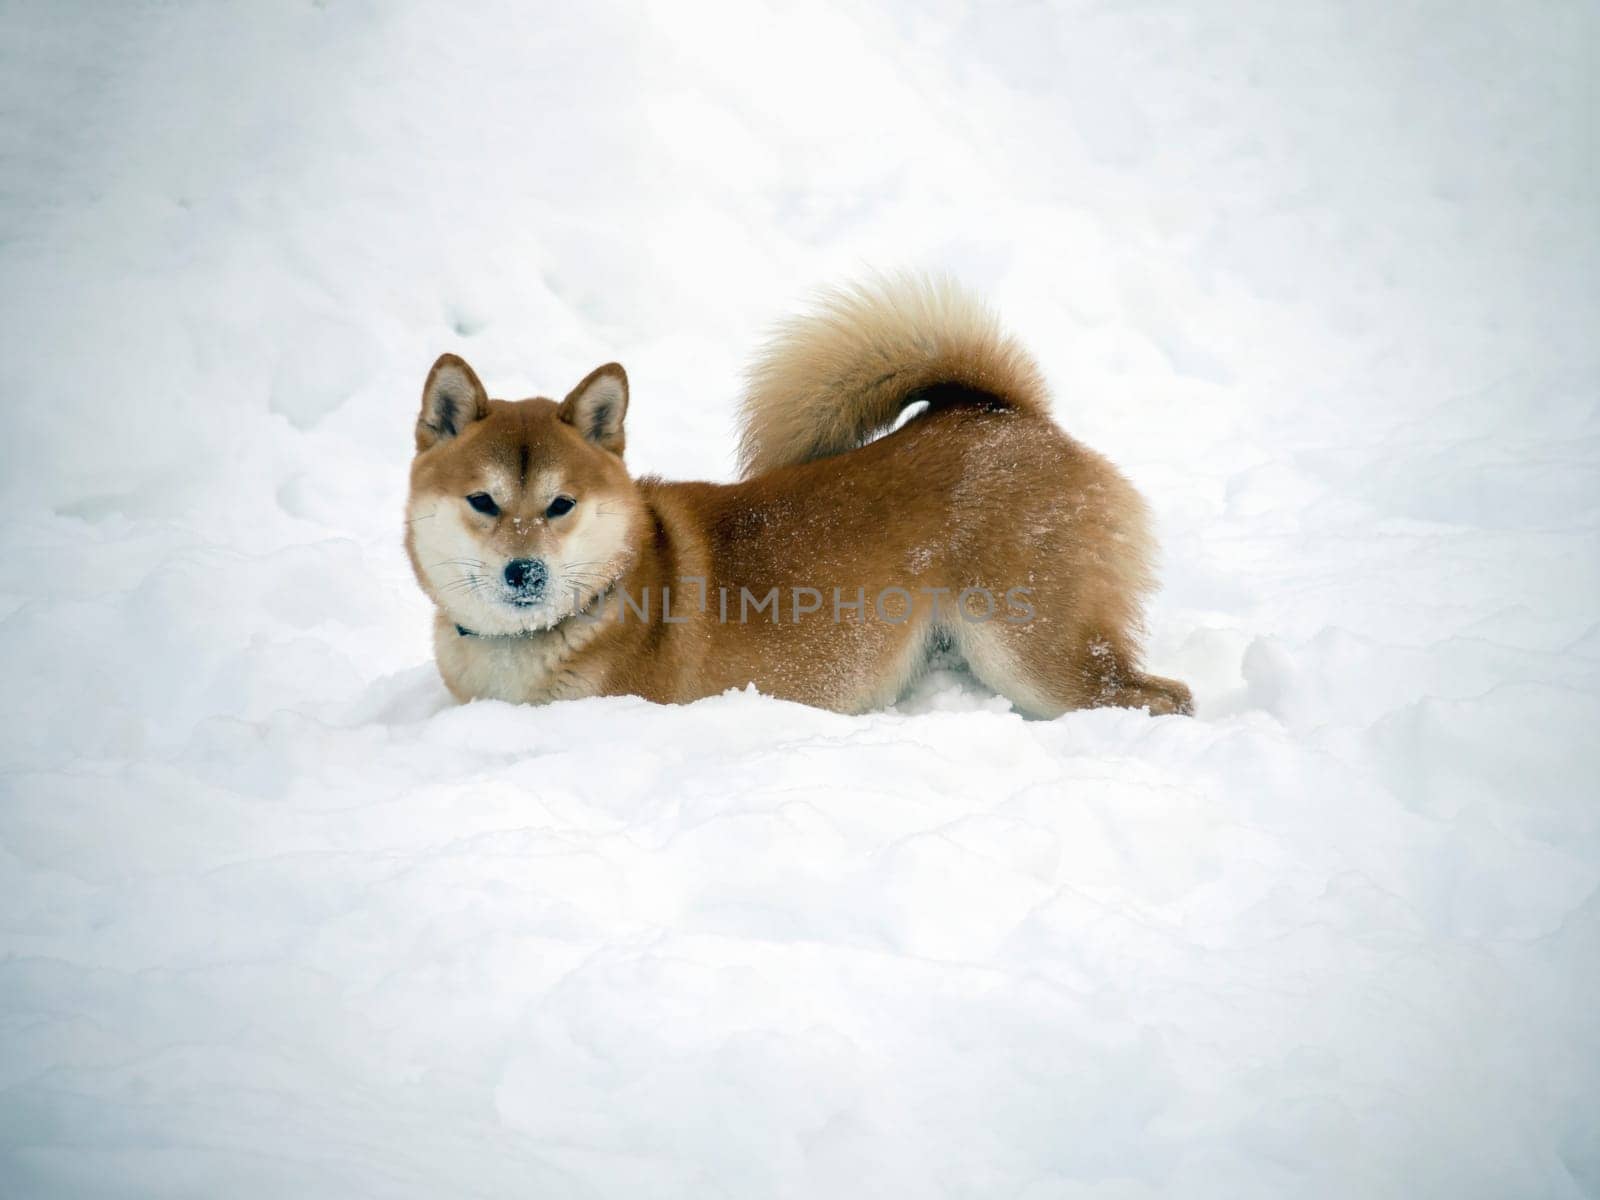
(832,378)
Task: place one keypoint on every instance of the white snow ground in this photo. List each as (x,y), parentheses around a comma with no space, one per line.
(278,920)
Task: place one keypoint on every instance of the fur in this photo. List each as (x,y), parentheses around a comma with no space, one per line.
(831,379)
(981,495)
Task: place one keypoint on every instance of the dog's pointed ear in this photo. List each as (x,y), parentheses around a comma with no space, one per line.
(597,406)
(451,400)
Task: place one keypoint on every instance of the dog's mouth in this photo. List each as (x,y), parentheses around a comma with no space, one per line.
(553,602)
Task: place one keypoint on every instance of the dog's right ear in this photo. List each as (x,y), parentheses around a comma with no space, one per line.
(451,400)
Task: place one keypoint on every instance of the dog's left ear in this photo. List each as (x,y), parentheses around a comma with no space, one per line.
(596,407)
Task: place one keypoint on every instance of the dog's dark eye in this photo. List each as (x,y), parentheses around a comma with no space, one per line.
(484,503)
(560,506)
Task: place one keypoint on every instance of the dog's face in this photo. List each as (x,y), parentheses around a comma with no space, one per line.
(520,513)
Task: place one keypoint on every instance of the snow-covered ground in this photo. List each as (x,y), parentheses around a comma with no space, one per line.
(279,920)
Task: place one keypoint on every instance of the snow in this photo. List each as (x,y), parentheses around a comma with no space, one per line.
(278,919)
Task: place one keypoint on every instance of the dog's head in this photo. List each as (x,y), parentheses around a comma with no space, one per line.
(521,513)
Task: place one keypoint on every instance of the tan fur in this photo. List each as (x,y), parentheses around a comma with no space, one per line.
(982,491)
(832,378)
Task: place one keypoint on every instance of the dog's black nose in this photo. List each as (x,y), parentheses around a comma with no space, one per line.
(525,574)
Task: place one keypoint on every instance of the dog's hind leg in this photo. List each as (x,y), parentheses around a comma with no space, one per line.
(1045,673)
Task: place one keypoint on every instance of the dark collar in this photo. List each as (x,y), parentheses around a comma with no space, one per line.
(463,631)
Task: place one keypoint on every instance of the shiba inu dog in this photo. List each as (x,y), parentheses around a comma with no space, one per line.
(838,565)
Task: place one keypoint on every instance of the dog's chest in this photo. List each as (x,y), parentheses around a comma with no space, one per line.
(524,670)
